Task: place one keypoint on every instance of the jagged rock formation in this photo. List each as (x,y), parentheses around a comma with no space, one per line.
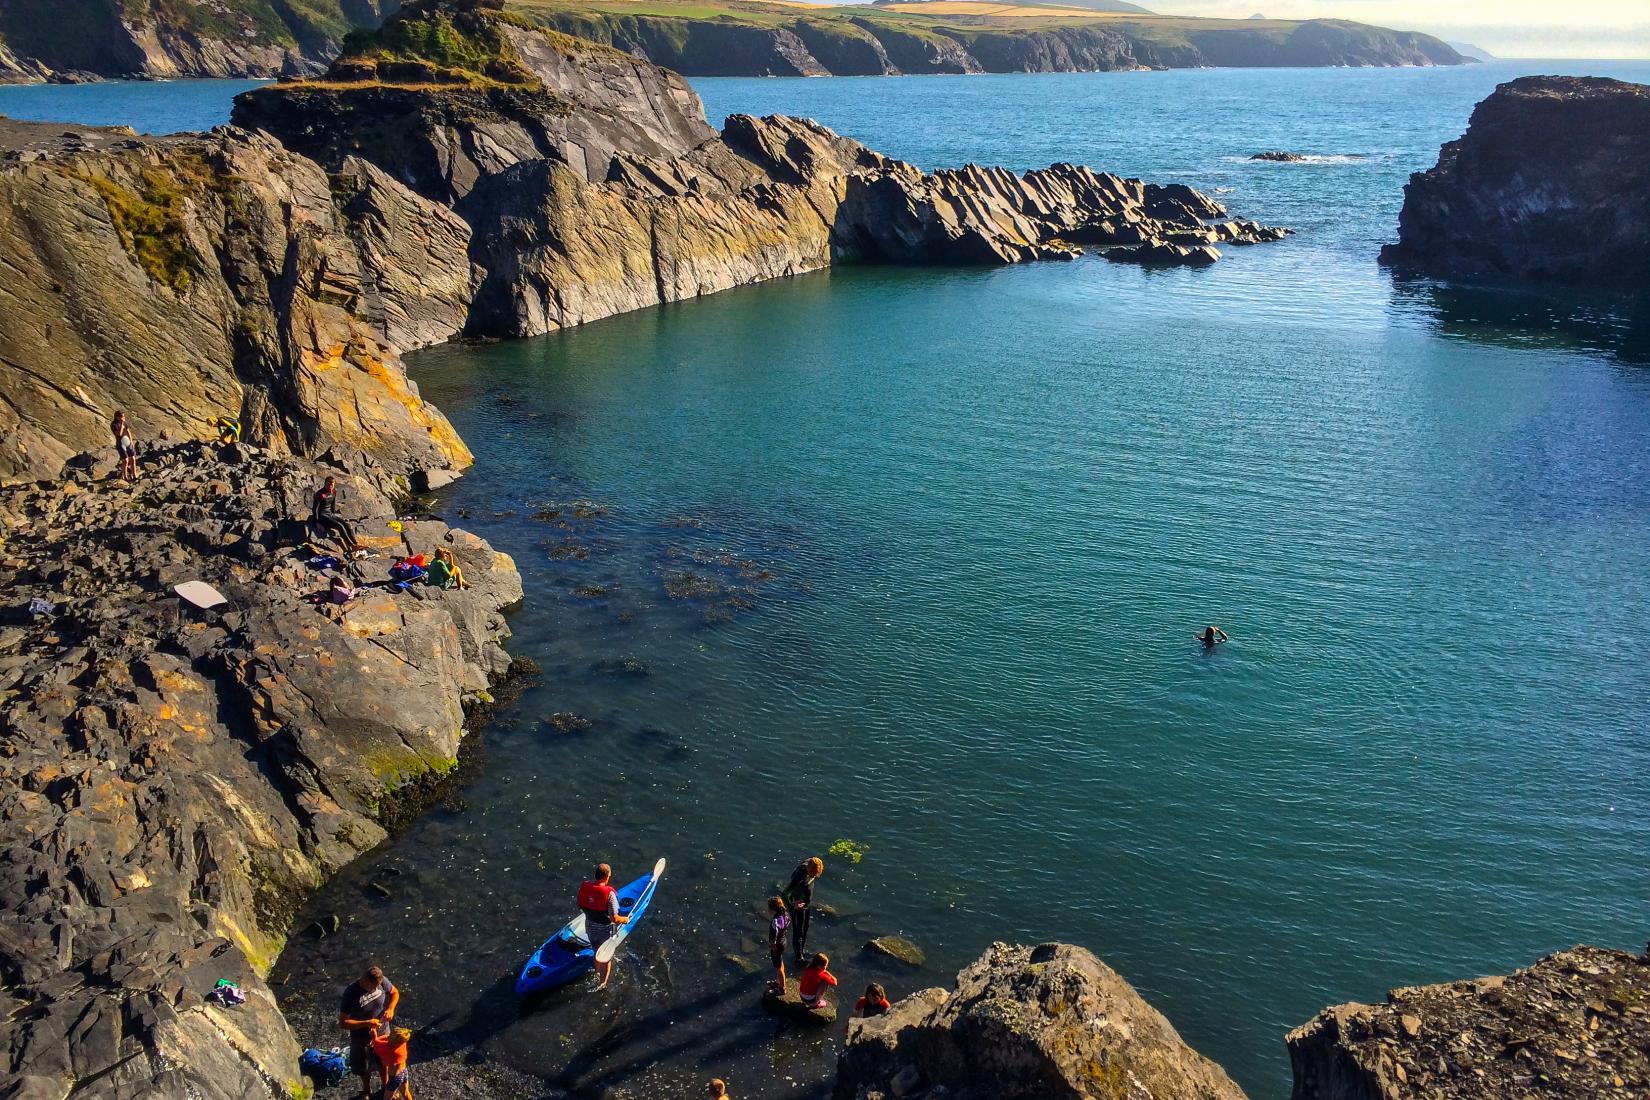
(138,38)
(184,278)
(173,782)
(1574,1025)
(1026,1023)
(592,185)
(1551,181)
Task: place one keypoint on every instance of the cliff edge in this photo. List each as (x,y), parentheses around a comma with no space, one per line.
(1551,181)
(1575,1026)
(1027,1023)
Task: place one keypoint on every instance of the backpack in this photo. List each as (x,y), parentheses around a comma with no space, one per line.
(327,1068)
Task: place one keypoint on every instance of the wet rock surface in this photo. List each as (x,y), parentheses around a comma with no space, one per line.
(1031,1023)
(1551,182)
(1576,1024)
(174,781)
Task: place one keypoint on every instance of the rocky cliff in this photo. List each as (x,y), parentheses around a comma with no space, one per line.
(190,277)
(1038,1023)
(740,40)
(144,38)
(1574,1025)
(1551,181)
(43,40)
(592,186)
(174,781)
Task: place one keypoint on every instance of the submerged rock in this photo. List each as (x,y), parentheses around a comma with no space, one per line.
(1551,181)
(790,1007)
(1279,157)
(1575,1025)
(898,948)
(1026,1024)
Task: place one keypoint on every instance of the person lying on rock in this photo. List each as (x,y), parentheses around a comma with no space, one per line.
(366,1007)
(323,514)
(444,571)
(799,895)
(599,903)
(874,1003)
(779,923)
(125,446)
(391,1050)
(814,981)
(341,592)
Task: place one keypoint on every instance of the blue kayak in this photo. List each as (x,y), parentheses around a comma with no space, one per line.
(568,954)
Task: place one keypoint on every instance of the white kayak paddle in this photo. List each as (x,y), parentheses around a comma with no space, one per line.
(610,946)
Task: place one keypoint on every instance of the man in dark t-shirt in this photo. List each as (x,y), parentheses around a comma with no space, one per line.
(366,1007)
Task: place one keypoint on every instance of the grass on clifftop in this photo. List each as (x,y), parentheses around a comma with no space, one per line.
(433,47)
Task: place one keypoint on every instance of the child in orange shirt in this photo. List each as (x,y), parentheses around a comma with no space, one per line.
(392,1055)
(814,980)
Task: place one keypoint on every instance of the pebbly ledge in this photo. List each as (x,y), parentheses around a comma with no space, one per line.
(1574,1025)
(1550,182)
(173,782)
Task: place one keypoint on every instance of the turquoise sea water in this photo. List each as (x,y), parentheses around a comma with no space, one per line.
(914,558)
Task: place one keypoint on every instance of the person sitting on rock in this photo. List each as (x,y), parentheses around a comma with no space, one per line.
(779,923)
(323,514)
(1212,636)
(814,981)
(874,1003)
(391,1050)
(444,571)
(367,1005)
(800,896)
(125,446)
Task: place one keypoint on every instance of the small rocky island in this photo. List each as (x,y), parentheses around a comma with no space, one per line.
(1551,182)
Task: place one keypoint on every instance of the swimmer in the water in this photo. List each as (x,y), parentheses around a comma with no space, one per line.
(1212,636)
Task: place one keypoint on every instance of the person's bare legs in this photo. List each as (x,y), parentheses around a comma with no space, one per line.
(604,971)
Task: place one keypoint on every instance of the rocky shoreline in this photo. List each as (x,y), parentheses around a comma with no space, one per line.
(173,781)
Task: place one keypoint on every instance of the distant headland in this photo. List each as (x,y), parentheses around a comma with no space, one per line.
(267,38)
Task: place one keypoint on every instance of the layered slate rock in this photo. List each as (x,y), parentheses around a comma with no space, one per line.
(592,185)
(173,782)
(1027,1023)
(1575,1025)
(184,278)
(1551,181)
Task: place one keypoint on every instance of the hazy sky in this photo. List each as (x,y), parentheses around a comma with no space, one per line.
(1507,28)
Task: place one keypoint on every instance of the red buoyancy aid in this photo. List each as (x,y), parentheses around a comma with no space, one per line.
(593,901)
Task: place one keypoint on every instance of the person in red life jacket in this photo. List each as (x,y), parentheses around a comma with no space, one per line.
(874,1003)
(779,923)
(799,895)
(814,980)
(599,903)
